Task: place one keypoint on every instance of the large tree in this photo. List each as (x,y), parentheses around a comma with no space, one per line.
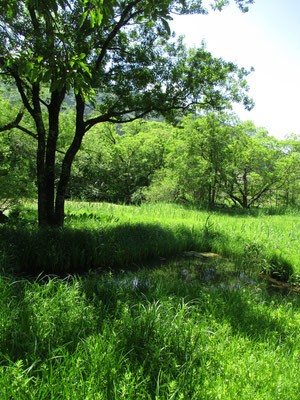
(117,57)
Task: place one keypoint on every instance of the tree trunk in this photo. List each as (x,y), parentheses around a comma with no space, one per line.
(40,160)
(46,158)
(53,118)
(245,191)
(59,214)
(65,174)
(209,196)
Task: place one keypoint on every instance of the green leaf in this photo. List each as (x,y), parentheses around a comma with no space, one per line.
(57,84)
(99,16)
(166,26)
(35,75)
(93,18)
(85,67)
(82,19)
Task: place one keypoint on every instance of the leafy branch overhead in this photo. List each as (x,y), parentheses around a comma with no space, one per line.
(121,49)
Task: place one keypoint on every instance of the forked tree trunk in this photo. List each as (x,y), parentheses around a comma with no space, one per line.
(46,160)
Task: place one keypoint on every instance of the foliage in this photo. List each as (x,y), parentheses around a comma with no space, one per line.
(288,192)
(204,161)
(214,158)
(254,165)
(17,170)
(114,164)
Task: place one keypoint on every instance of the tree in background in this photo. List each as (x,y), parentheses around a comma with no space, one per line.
(254,164)
(206,158)
(118,57)
(216,157)
(197,162)
(114,166)
(288,189)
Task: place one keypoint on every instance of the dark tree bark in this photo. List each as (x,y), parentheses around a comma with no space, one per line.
(53,112)
(67,163)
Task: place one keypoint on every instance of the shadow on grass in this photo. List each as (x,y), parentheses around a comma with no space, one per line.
(248,319)
(25,249)
(30,250)
(42,317)
(237,211)
(254,212)
(220,292)
(163,304)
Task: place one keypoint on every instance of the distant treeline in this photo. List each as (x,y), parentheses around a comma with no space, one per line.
(213,160)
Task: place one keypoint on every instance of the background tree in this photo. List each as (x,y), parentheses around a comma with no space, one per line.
(253,170)
(216,157)
(197,161)
(206,159)
(287,190)
(124,51)
(116,163)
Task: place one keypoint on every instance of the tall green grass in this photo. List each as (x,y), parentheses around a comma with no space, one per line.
(156,334)
(109,236)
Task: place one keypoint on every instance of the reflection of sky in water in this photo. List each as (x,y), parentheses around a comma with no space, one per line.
(213,275)
(134,283)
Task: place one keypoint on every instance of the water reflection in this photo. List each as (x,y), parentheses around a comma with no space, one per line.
(207,269)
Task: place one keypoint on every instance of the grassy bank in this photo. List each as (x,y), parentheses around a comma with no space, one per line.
(109,236)
(165,333)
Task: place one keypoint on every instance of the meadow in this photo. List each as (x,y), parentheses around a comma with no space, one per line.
(102,236)
(167,303)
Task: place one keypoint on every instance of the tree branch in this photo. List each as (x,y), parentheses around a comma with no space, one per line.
(35,136)
(13,124)
(112,117)
(124,19)
(115,121)
(21,128)
(24,98)
(235,199)
(44,102)
(257,196)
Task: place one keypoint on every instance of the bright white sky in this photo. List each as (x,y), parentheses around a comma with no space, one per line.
(267,38)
